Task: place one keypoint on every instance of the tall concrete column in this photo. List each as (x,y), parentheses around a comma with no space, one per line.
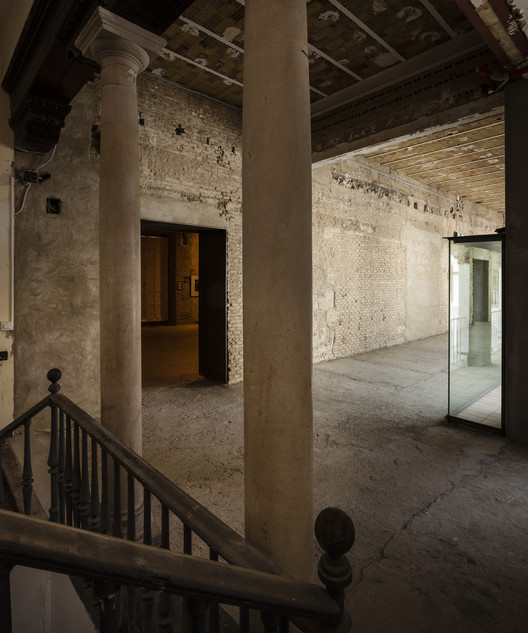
(516,251)
(123,50)
(277,270)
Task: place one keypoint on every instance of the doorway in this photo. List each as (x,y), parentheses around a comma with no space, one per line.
(183,311)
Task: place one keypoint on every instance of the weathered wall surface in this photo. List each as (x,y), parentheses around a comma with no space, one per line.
(56,269)
(380,263)
(6,222)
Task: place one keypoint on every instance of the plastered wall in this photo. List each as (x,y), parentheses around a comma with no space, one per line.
(380,263)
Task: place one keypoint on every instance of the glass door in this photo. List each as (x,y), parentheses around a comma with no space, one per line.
(475,330)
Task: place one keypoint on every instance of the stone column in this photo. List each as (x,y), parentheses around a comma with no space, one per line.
(516,253)
(123,50)
(277,270)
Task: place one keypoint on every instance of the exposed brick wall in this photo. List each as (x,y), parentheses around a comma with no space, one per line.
(380,264)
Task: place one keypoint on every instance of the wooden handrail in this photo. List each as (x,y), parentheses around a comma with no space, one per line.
(223,539)
(54,547)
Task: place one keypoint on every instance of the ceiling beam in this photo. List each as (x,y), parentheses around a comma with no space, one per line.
(469,162)
(440,55)
(438,18)
(367,30)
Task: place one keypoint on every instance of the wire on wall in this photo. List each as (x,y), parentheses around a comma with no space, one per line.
(28,184)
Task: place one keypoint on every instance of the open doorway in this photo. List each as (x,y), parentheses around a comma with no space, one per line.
(183,304)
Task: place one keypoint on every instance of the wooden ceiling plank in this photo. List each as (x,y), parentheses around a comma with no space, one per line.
(445,149)
(441,136)
(212,34)
(365,28)
(438,18)
(469,162)
(319,52)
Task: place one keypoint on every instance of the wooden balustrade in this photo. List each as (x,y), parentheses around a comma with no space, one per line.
(94,481)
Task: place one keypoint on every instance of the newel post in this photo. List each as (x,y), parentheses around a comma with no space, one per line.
(335,533)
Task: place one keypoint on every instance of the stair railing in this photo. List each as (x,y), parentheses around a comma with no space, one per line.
(87,466)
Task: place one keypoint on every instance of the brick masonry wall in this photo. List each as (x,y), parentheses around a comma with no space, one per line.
(380,264)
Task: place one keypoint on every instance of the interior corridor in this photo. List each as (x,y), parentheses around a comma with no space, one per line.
(169,355)
(441,511)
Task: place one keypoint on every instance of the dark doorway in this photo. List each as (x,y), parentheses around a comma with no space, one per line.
(480,291)
(184,333)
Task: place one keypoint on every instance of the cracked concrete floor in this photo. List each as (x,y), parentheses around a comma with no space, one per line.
(441,512)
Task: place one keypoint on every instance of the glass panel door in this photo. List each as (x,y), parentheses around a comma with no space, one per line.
(475,330)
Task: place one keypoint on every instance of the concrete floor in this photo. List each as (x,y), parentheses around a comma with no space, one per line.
(441,512)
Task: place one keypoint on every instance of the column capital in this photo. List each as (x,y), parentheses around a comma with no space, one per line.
(109,35)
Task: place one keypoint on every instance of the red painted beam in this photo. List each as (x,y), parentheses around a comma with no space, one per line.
(505,16)
(479,25)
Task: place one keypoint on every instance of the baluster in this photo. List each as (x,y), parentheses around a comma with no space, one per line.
(147,525)
(165,532)
(197,609)
(106,594)
(76,480)
(243,625)
(165,613)
(53,463)
(68,472)
(214,614)
(27,473)
(335,533)
(271,621)
(117,529)
(84,499)
(62,468)
(187,540)
(147,609)
(5,596)
(105,497)
(95,506)
(131,518)
(284,626)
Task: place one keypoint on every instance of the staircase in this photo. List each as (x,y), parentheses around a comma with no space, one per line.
(142,554)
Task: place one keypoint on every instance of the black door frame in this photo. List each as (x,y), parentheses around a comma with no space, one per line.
(213,359)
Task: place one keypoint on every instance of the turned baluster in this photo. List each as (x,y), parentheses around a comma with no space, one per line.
(243,626)
(62,468)
(95,506)
(197,609)
(105,497)
(117,528)
(187,540)
(68,472)
(147,523)
(53,463)
(335,533)
(84,499)
(27,473)
(214,613)
(270,621)
(106,593)
(131,518)
(76,479)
